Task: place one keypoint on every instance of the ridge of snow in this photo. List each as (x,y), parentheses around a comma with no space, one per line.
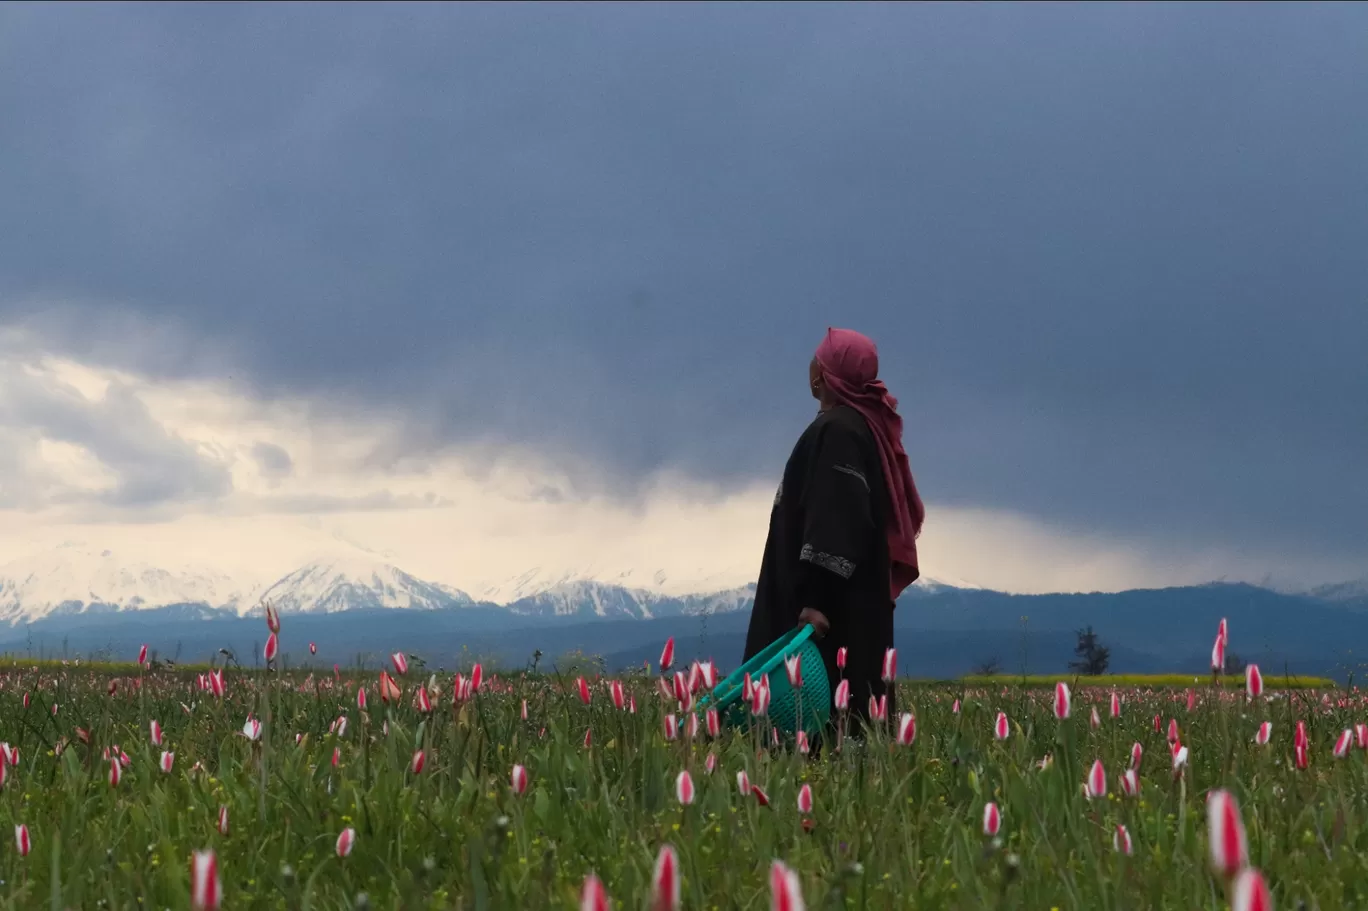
(343,582)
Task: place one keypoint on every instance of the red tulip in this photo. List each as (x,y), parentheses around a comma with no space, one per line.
(890,665)
(1299,738)
(786,890)
(419,760)
(1130,783)
(345,842)
(400,662)
(907,729)
(21,840)
(313,649)
(684,788)
(841,658)
(842,698)
(1344,743)
(1218,650)
(156,733)
(583,690)
(1063,700)
(667,655)
(1115,705)
(593,897)
(992,819)
(272,647)
(760,796)
(205,890)
(665,879)
(142,655)
(793,666)
(272,618)
(167,760)
(1121,840)
(1251,892)
(878,708)
(1137,753)
(671,727)
(1265,731)
(1097,780)
(1226,834)
(1253,681)
(805,799)
(518,779)
(1001,728)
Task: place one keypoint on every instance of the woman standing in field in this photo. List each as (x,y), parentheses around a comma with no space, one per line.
(843,531)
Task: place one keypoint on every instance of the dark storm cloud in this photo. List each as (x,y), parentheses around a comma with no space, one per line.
(1114,255)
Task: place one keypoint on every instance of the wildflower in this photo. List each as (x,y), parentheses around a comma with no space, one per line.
(618,694)
(1095,721)
(205,890)
(252,729)
(272,648)
(400,662)
(671,727)
(802,742)
(709,674)
(115,772)
(667,655)
(805,799)
(907,729)
(841,658)
(793,666)
(1180,758)
(593,897)
(714,723)
(167,760)
(1226,834)
(518,779)
(419,760)
(216,684)
(1001,728)
(21,840)
(890,665)
(760,796)
(665,881)
(1251,892)
(476,677)
(842,698)
(1265,731)
(142,656)
(313,649)
(1121,840)
(272,618)
(760,699)
(1343,743)
(1063,700)
(1130,783)
(389,688)
(955,709)
(1137,753)
(583,690)
(786,890)
(223,820)
(588,737)
(1097,780)
(361,698)
(710,763)
(878,708)
(346,841)
(992,819)
(1115,705)
(1218,650)
(156,733)
(1173,731)
(1253,681)
(424,701)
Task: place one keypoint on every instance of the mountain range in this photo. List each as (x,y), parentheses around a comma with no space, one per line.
(357,608)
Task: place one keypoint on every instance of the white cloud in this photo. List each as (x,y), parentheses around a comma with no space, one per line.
(203,474)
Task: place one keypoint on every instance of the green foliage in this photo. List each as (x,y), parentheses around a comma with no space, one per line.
(891,824)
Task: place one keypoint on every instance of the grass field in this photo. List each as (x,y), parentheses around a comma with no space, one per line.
(890,825)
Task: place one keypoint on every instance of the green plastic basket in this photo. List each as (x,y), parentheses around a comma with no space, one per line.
(784,700)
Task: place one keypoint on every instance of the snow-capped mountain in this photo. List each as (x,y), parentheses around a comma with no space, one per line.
(588,598)
(75,579)
(339,583)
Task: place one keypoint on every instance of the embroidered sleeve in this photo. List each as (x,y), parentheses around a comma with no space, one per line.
(838,565)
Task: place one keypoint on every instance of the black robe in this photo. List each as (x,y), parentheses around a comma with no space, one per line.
(828,549)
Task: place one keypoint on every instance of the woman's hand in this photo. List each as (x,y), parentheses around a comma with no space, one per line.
(820,625)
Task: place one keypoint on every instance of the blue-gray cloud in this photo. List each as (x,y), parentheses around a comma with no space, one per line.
(1113,254)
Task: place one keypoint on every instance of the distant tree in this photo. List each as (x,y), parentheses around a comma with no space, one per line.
(1234,664)
(989,668)
(1093,656)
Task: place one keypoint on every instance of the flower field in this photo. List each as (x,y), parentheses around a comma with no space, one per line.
(316,789)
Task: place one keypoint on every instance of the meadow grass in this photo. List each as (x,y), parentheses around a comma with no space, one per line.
(892,826)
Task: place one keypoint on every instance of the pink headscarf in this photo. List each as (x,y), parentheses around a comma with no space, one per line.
(849,363)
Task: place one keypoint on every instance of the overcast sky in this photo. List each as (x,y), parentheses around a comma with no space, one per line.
(1114,257)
